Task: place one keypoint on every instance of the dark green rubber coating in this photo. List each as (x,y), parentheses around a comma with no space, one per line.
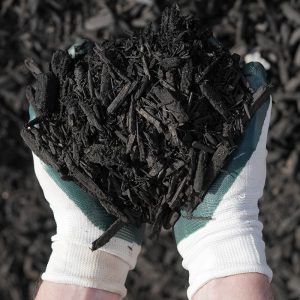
(90,206)
(256,77)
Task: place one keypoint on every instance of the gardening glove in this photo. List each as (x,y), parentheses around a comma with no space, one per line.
(224,235)
(80,220)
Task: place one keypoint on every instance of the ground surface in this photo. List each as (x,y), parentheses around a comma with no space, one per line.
(32,28)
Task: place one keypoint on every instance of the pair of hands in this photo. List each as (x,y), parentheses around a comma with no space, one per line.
(231,203)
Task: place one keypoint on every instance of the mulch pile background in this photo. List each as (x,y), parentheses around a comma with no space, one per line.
(32,28)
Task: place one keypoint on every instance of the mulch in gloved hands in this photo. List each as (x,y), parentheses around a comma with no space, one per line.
(144,123)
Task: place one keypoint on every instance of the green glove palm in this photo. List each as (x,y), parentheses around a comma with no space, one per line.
(93,210)
(256,76)
(88,204)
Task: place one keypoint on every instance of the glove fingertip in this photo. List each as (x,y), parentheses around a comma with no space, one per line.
(215,42)
(31,112)
(256,74)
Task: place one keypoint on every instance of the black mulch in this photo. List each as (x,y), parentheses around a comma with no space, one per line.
(32,28)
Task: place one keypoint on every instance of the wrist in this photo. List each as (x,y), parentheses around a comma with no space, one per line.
(234,287)
(49,290)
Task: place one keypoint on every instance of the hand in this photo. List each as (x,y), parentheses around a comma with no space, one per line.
(80,220)
(228,240)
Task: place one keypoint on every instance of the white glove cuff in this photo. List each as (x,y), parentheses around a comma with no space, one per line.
(75,263)
(234,251)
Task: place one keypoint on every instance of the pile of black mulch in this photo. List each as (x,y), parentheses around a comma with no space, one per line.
(144,123)
(37,28)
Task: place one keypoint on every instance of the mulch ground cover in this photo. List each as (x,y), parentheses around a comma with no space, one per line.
(36,29)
